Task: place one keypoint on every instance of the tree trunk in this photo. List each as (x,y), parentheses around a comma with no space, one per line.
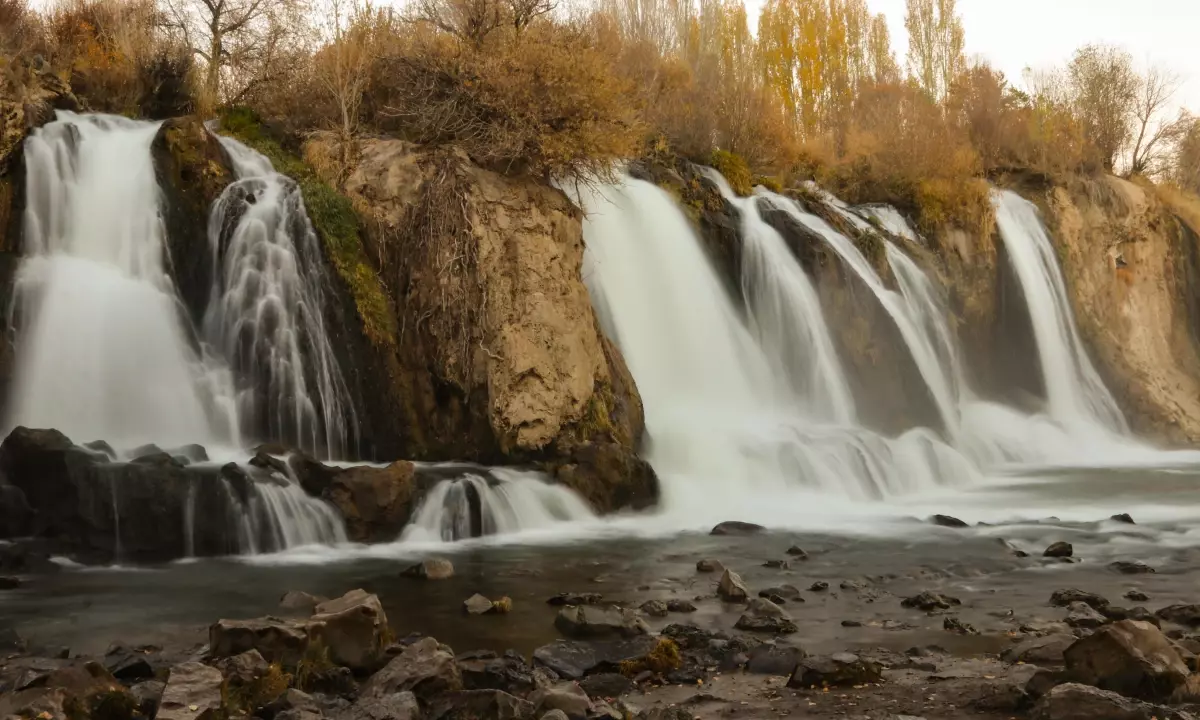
(213,81)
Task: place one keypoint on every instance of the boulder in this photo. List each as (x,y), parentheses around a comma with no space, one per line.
(680,606)
(278,641)
(296,705)
(1063,598)
(1137,596)
(765,616)
(1188,615)
(1122,518)
(128,665)
(300,603)
(840,670)
(147,696)
(241,670)
(567,697)
(354,628)
(388,706)
(606,685)
(819,586)
(432,569)
(599,622)
(573,659)
(1082,615)
(947,521)
(1059,550)
(735,527)
(376,503)
(193,692)
(929,601)
(509,673)
(1128,567)
(731,588)
(771,659)
(787,592)
(797,552)
(425,669)
(1074,701)
(708,566)
(1045,650)
(654,608)
(1129,657)
(39,702)
(474,704)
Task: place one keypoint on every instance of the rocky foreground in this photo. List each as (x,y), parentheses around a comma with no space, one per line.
(343,659)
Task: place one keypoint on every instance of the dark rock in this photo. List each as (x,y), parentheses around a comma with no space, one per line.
(954,625)
(1126,567)
(1045,650)
(8,582)
(241,670)
(294,704)
(147,696)
(103,448)
(193,692)
(599,622)
(819,586)
(425,669)
(680,606)
(708,566)
(509,673)
(1188,615)
(1129,657)
(573,659)
(474,704)
(771,659)
(734,527)
(128,665)
(947,521)
(787,592)
(1123,518)
(1059,550)
(840,670)
(194,453)
(606,685)
(654,608)
(432,569)
(575,599)
(300,603)
(16,516)
(777,564)
(1063,598)
(1074,701)
(765,616)
(731,588)
(146,451)
(1082,615)
(852,623)
(279,641)
(390,706)
(797,552)
(1137,596)
(929,601)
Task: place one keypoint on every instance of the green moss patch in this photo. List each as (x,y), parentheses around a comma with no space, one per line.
(335,221)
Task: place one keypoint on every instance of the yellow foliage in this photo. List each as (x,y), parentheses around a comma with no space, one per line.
(663,658)
(735,170)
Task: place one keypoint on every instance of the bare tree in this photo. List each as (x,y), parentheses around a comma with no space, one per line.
(1185,160)
(1103,88)
(343,66)
(1155,130)
(471,21)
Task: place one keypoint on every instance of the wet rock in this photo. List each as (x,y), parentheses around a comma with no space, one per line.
(1059,550)
(509,673)
(1063,598)
(731,588)
(947,521)
(568,697)
(1082,615)
(147,696)
(787,592)
(654,608)
(840,670)
(278,641)
(390,706)
(1188,615)
(353,629)
(734,527)
(765,616)
(295,705)
(1129,657)
(797,552)
(425,669)
(606,685)
(599,622)
(1126,567)
(572,659)
(7,582)
(1123,518)
(777,564)
(708,566)
(241,670)
(193,692)
(1137,596)
(128,665)
(575,599)
(1045,650)
(102,447)
(680,606)
(771,659)
(929,601)
(819,586)
(300,603)
(954,625)
(852,623)
(194,453)
(432,569)
(1115,613)
(473,704)
(477,605)
(1074,701)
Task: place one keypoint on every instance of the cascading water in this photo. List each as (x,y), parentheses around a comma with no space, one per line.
(264,315)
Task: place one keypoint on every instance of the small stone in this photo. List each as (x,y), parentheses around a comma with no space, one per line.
(1044,650)
(954,625)
(680,606)
(851,623)
(431,569)
(477,605)
(947,521)
(771,659)
(840,670)
(929,601)
(1126,567)
(1082,615)
(568,598)
(819,586)
(708,566)
(1137,596)
(797,552)
(1063,598)
(777,564)
(654,608)
(765,616)
(734,527)
(1059,550)
(606,685)
(731,588)
(1123,518)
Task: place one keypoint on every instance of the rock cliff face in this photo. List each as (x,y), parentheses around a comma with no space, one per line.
(499,357)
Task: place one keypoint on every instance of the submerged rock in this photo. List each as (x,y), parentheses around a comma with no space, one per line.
(568,598)
(597,622)
(1181,614)
(1063,598)
(432,569)
(930,601)
(840,670)
(654,608)
(1126,567)
(574,659)
(680,606)
(1044,650)
(1059,550)
(771,659)
(947,521)
(736,527)
(708,566)
(765,616)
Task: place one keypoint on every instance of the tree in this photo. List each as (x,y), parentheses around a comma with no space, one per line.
(882,67)
(1185,160)
(935,44)
(343,65)
(1154,128)
(1103,88)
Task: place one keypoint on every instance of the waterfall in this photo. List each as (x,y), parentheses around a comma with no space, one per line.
(264,314)
(726,433)
(1076,396)
(493,501)
(102,349)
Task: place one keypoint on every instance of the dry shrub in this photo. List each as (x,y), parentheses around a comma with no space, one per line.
(20,31)
(544,101)
(902,149)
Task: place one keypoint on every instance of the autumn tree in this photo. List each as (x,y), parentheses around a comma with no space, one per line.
(1156,127)
(1103,87)
(1185,157)
(352,29)
(935,44)
(881,62)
